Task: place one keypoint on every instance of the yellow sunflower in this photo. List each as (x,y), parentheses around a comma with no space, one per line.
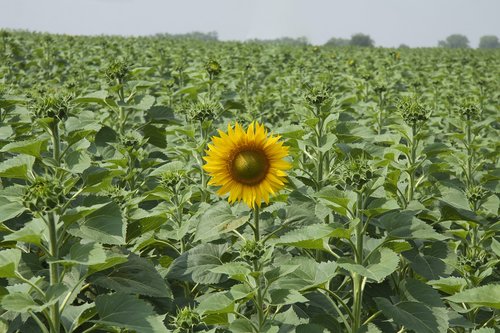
(249,165)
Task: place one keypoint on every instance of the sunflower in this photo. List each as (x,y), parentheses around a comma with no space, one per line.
(249,165)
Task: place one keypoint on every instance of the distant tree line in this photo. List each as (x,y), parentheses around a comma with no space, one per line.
(455,41)
(208,36)
(356,40)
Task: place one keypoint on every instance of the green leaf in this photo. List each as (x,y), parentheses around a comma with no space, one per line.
(17,167)
(84,254)
(155,136)
(285,296)
(111,261)
(308,275)
(32,232)
(136,276)
(428,266)
(217,220)
(235,270)
(495,247)
(20,302)
(450,285)
(405,225)
(10,208)
(241,326)
(161,114)
(9,261)
(195,264)
(168,167)
(452,213)
(221,302)
(77,161)
(129,312)
(339,201)
(488,296)
(103,225)
(29,147)
(484,330)
(370,328)
(380,264)
(95,97)
(300,210)
(418,291)
(72,316)
(415,316)
(314,236)
(380,206)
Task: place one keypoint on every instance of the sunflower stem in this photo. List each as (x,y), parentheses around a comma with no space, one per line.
(256,265)
(54,270)
(203,180)
(358,280)
(256,223)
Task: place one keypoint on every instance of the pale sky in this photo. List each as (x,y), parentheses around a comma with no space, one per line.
(388,22)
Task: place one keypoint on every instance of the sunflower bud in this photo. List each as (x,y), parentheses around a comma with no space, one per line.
(317,95)
(412,111)
(56,106)
(475,194)
(186,319)
(170,179)
(470,110)
(367,76)
(358,172)
(117,70)
(251,251)
(213,68)
(380,87)
(204,110)
(118,195)
(472,262)
(43,195)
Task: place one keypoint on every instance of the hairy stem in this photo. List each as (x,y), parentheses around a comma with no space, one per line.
(54,270)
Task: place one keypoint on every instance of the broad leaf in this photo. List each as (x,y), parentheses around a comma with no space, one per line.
(195,264)
(217,220)
(488,296)
(103,225)
(136,276)
(84,254)
(9,261)
(17,167)
(415,316)
(129,312)
(314,236)
(29,147)
(380,264)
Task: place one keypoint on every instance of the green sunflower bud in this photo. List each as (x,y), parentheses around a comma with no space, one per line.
(470,110)
(412,111)
(251,251)
(186,319)
(117,70)
(213,68)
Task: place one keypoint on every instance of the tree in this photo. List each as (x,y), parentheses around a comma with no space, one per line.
(361,40)
(455,41)
(337,42)
(489,42)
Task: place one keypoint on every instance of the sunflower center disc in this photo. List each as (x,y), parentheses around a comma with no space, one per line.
(250,166)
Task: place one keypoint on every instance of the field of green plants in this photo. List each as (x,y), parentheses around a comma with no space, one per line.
(386,220)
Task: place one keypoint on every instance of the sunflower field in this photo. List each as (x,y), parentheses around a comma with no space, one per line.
(160,184)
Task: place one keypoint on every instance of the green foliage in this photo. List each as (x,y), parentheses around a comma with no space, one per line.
(489,42)
(455,41)
(388,221)
(361,40)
